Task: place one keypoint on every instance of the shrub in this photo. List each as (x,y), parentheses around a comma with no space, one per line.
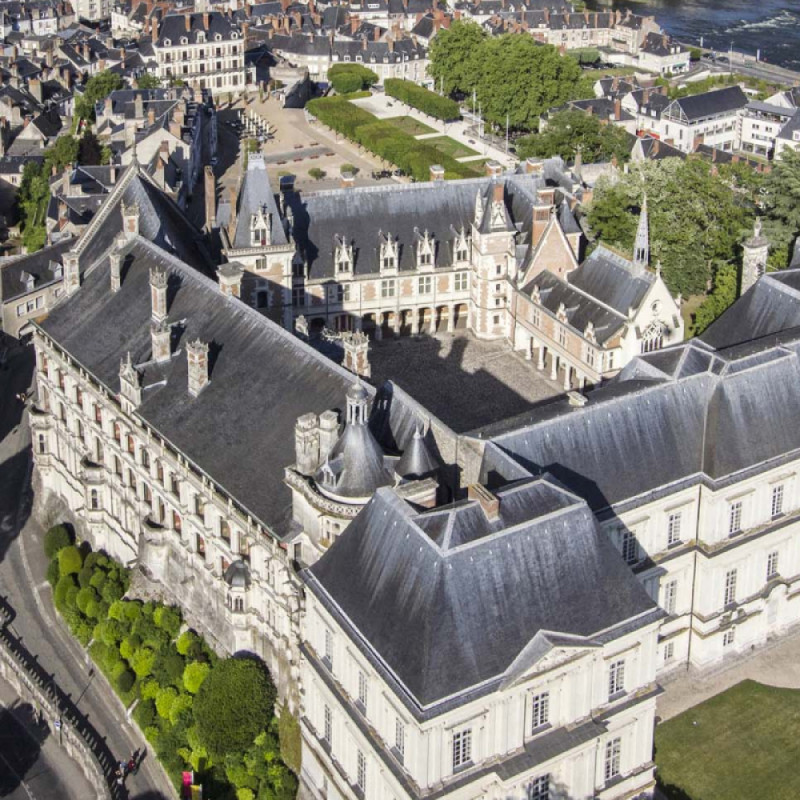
(64,584)
(316,173)
(85,575)
(180,712)
(123,683)
(194,675)
(56,539)
(96,609)
(233,705)
(142,662)
(149,689)
(346,78)
(109,631)
(98,650)
(71,600)
(98,578)
(53,573)
(145,713)
(186,642)
(168,669)
(69,560)
(84,597)
(168,619)
(164,700)
(351,168)
(422,99)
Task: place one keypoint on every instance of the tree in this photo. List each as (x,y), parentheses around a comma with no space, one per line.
(90,151)
(233,705)
(57,537)
(725,291)
(97,88)
(782,201)
(63,153)
(148,81)
(347,78)
(316,173)
(194,675)
(454,57)
(70,560)
(568,130)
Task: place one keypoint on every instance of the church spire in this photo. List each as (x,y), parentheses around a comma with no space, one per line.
(641,249)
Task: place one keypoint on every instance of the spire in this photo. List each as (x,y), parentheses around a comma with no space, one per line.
(641,249)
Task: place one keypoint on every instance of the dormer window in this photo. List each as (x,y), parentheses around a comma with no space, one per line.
(462,246)
(343,257)
(184,40)
(167,43)
(217,37)
(261,228)
(425,250)
(388,253)
(201,37)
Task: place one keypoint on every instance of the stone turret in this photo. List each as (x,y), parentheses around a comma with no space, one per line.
(754,258)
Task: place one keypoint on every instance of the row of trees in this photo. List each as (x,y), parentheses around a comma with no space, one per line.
(350,77)
(512,76)
(213,716)
(385,140)
(700,214)
(422,99)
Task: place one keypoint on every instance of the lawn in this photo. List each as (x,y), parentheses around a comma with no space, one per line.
(740,745)
(450,147)
(410,125)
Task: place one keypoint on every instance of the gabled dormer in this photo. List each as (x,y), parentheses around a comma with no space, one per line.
(426,251)
(389,253)
(461,246)
(343,256)
(261,228)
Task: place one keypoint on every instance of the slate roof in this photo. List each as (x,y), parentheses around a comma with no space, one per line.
(38,264)
(257,367)
(173,28)
(709,104)
(256,194)
(470,593)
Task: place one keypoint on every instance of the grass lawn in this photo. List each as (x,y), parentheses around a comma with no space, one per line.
(450,147)
(743,747)
(410,125)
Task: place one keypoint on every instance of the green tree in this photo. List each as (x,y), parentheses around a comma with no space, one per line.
(63,153)
(782,201)
(57,537)
(90,151)
(148,81)
(454,57)
(142,662)
(98,87)
(316,173)
(724,292)
(346,78)
(568,130)
(233,705)
(70,560)
(193,676)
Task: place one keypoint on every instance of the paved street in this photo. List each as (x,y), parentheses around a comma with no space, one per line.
(23,586)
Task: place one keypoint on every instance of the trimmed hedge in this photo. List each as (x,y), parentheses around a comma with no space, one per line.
(422,99)
(386,140)
(347,78)
(141,651)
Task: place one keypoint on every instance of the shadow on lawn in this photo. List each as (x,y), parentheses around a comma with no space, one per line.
(671,792)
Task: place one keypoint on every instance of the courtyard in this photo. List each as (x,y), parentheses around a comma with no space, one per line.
(466,382)
(739,745)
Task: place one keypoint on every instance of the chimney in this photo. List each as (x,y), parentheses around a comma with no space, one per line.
(138,106)
(232,194)
(490,503)
(306,444)
(197,362)
(115,264)
(160,349)
(533,166)
(35,88)
(108,107)
(188,22)
(645,97)
(154,31)
(493,169)
(72,275)
(328,433)
(618,109)
(151,117)
(210,187)
(158,294)
(356,353)
(353,25)
(437,172)
(130,220)
(498,193)
(205,20)
(230,279)
(376,34)
(347,180)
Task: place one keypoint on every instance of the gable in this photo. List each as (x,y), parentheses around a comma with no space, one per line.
(545,652)
(553,254)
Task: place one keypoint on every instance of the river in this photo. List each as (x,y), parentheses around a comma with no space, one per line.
(771,26)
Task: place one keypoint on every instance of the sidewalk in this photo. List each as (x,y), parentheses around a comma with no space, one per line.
(775,664)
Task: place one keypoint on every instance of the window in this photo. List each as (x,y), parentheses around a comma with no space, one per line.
(145,458)
(98,414)
(616,677)
(540,710)
(729,637)
(131,444)
(669,652)
(362,690)
(674,528)
(425,284)
(399,737)
(536,318)
(630,547)
(42,444)
(730,587)
(462,254)
(562,335)
(613,753)
(735,517)
(94,500)
(298,297)
(328,725)
(329,648)
(361,771)
(387,288)
(772,564)
(590,356)
(225,530)
(462,748)
(653,337)
(201,545)
(539,788)
(777,500)
(460,281)
(425,258)
(117,432)
(343,293)
(670,596)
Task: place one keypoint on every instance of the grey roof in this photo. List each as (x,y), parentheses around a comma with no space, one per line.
(237,576)
(417,460)
(256,194)
(708,104)
(448,599)
(240,429)
(39,265)
(173,28)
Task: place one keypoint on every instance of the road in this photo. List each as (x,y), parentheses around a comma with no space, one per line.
(761,71)
(25,591)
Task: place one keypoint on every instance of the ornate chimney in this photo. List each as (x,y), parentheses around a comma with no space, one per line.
(356,353)
(130,220)
(306,444)
(158,294)
(197,359)
(230,279)
(72,274)
(160,341)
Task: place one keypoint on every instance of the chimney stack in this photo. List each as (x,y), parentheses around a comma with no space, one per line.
(138,106)
(356,353)
(158,294)
(347,180)
(493,169)
(490,503)
(115,264)
(160,341)
(130,220)
(188,21)
(210,198)
(197,361)
(230,279)
(72,275)
(437,172)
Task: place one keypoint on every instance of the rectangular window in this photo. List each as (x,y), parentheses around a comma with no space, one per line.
(461,281)
(425,284)
(539,788)
(361,771)
(540,710)
(329,648)
(669,652)
(772,564)
(561,335)
(670,596)
(343,293)
(613,754)
(630,547)
(590,355)
(462,748)
(399,737)
(328,726)
(729,637)
(536,318)
(462,254)
(616,677)
(387,288)
(674,528)
(298,296)
(777,500)
(362,690)
(734,517)
(730,587)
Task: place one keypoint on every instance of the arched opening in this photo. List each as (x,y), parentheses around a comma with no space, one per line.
(653,337)
(461,315)
(368,325)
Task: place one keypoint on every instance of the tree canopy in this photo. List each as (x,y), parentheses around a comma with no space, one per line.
(148,81)
(568,130)
(452,61)
(782,204)
(347,78)
(233,705)
(98,87)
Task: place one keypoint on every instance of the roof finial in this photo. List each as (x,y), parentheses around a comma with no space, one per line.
(641,249)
